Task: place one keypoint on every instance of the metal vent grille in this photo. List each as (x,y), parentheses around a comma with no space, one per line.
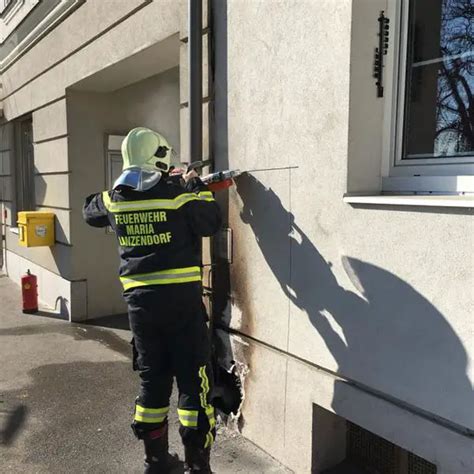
(417,465)
(371,452)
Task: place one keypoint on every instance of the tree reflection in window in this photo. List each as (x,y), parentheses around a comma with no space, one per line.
(439,107)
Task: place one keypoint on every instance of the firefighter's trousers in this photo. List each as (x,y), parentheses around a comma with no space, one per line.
(170,339)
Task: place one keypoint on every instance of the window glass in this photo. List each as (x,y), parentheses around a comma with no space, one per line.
(439,101)
(114,163)
(114,159)
(115,168)
(24,166)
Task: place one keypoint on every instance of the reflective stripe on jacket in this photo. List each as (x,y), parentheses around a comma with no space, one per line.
(163,277)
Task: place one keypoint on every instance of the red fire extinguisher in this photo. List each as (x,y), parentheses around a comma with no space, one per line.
(29,291)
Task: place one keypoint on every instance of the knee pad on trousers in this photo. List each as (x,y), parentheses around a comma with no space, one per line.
(198,426)
(197,438)
(149,431)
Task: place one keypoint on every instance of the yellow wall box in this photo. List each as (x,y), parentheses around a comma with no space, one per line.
(36,229)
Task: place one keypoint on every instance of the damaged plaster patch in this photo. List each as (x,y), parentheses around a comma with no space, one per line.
(240,371)
(237,317)
(232,372)
(239,340)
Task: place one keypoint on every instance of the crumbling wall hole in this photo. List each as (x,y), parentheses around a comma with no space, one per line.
(229,393)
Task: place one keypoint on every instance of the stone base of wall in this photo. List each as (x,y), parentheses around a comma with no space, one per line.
(66,298)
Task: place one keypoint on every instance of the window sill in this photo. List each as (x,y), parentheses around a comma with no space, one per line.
(465,201)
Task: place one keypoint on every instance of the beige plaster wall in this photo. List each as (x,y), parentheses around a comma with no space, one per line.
(380,296)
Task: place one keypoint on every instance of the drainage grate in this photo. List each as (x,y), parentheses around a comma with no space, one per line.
(369,451)
(417,465)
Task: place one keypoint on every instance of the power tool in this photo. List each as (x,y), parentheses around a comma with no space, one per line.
(218,180)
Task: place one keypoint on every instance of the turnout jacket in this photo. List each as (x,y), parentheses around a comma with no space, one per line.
(158,231)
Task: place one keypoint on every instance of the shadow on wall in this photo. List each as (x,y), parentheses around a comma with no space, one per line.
(390,332)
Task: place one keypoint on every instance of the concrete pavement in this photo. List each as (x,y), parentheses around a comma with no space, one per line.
(66,397)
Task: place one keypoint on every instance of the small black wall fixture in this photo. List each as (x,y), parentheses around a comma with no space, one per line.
(381,51)
(195,79)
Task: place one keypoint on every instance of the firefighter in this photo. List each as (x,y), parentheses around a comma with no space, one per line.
(159,220)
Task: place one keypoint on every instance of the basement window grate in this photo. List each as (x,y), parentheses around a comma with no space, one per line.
(376,455)
(371,452)
(417,465)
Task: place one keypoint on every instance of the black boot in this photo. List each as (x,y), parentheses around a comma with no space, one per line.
(156,451)
(165,467)
(197,460)
(157,458)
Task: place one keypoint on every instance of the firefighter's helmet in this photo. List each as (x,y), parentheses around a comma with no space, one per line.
(146,148)
(146,154)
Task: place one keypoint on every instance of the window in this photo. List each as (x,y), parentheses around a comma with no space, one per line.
(114,162)
(430,105)
(114,159)
(439,120)
(24,166)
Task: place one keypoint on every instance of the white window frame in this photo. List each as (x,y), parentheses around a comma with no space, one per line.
(455,175)
(113,155)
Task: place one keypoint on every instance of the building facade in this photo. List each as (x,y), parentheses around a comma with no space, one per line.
(342,283)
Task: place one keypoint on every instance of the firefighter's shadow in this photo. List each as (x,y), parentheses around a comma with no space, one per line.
(13,424)
(382,333)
